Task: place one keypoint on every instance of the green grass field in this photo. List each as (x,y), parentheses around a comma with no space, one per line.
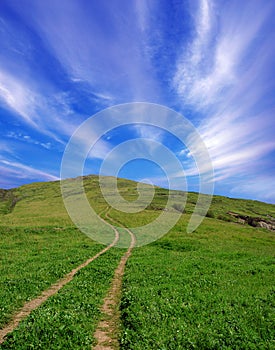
(32,259)
(211,289)
(68,319)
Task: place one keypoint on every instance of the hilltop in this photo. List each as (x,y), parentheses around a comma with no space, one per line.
(41,203)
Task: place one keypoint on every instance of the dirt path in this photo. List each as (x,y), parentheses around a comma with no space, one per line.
(35,303)
(107,330)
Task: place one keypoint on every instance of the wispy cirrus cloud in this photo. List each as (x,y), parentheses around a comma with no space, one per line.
(34,107)
(40,97)
(19,170)
(261,188)
(103,52)
(213,61)
(18,97)
(62,61)
(14,171)
(223,75)
(28,139)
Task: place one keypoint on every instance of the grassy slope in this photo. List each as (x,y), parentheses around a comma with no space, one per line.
(220,275)
(32,259)
(39,245)
(213,289)
(68,319)
(40,204)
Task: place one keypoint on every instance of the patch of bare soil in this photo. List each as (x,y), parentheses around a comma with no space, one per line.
(107,331)
(35,303)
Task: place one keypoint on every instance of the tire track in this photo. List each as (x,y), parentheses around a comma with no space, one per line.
(107,331)
(33,304)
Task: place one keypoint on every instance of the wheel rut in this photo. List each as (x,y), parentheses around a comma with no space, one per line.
(33,304)
(107,332)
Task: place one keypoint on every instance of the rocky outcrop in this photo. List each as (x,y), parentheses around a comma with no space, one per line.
(268,224)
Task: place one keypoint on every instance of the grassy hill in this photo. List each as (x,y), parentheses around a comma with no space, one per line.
(41,204)
(211,289)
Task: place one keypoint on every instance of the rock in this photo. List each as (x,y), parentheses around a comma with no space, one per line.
(255,222)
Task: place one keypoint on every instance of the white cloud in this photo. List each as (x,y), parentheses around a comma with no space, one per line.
(149,132)
(86,142)
(211,63)
(5,148)
(222,74)
(260,187)
(28,139)
(33,105)
(22,171)
(111,61)
(18,97)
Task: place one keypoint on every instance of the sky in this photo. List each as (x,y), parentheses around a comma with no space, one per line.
(210,60)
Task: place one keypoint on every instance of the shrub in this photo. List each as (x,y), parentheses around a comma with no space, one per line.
(210,214)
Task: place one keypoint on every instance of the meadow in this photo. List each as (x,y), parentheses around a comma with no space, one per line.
(211,289)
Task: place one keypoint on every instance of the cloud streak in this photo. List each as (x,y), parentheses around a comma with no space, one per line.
(62,61)
(22,171)
(222,75)
(33,107)
(103,52)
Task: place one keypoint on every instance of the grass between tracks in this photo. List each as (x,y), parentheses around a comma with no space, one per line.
(212,289)
(32,259)
(68,319)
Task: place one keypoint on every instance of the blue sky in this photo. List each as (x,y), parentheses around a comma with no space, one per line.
(211,60)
